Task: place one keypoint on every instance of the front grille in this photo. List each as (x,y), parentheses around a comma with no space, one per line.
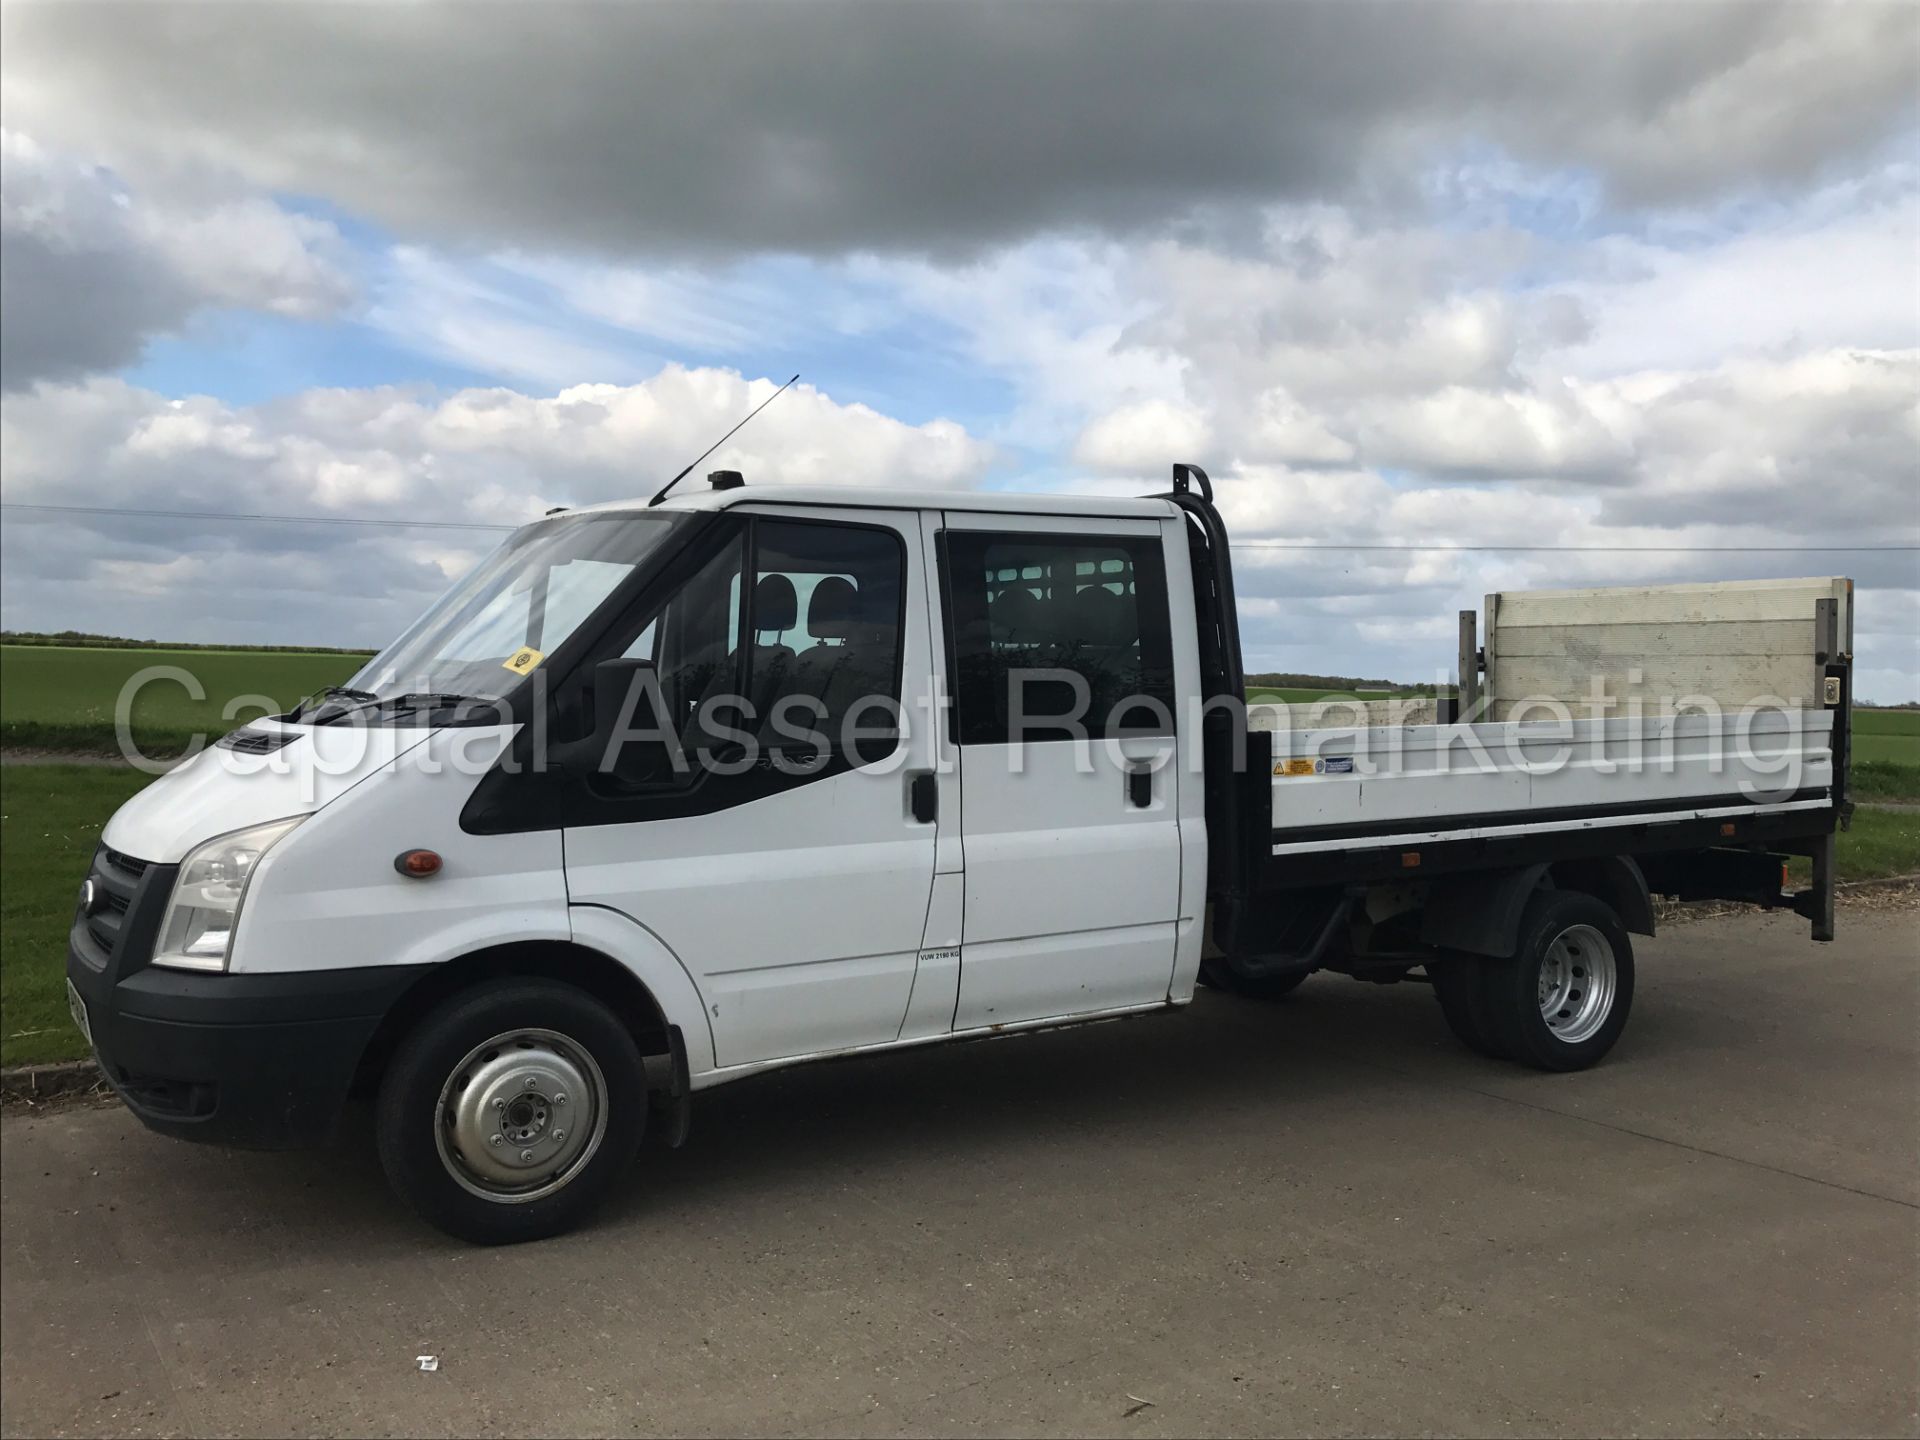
(118,881)
(131,867)
(105,928)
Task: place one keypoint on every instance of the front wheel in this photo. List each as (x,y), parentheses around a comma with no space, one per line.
(509,1112)
(1562,1000)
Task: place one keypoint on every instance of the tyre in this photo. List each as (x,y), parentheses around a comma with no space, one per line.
(1563,998)
(1220,976)
(1459,985)
(510,1111)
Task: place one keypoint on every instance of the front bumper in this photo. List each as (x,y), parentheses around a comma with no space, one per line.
(253,1060)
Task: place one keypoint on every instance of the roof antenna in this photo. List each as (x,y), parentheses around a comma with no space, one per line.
(717,444)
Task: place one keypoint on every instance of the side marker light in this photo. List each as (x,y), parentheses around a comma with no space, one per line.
(417,864)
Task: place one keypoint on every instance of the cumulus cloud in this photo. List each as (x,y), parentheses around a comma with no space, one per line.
(1138,436)
(1407,386)
(1462,432)
(1282,431)
(1822,444)
(1834,268)
(92,271)
(941,128)
(493,457)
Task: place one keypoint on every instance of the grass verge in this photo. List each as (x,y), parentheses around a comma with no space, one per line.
(50,819)
(1885,780)
(1881,843)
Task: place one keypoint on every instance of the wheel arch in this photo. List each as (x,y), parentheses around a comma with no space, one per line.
(1481,913)
(598,974)
(1616,881)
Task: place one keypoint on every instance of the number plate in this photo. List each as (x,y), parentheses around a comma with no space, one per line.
(77,1008)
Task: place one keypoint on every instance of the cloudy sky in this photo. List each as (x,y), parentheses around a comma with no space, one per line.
(1637,287)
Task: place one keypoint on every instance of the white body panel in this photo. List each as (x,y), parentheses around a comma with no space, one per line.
(327,897)
(798,915)
(222,790)
(1463,773)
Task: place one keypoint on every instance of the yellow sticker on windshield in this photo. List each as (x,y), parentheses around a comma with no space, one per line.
(522,661)
(1293,767)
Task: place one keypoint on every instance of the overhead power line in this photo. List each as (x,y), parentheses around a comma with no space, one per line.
(1385,546)
(270,519)
(1580,549)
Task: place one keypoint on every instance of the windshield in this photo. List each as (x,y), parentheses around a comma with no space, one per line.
(514,608)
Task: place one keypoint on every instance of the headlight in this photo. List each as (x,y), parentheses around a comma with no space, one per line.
(197,933)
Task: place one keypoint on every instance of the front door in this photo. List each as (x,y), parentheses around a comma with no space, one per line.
(789,875)
(1064,701)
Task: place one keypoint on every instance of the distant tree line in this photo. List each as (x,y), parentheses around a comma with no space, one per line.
(86,639)
(1287,680)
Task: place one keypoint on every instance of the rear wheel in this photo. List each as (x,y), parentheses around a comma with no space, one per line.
(1563,998)
(509,1112)
(1459,985)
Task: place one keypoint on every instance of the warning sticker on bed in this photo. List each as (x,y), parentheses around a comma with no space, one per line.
(522,661)
(1293,767)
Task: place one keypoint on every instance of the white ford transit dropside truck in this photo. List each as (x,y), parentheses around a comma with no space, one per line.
(662,795)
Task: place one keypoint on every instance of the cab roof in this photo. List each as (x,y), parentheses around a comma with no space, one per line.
(694,494)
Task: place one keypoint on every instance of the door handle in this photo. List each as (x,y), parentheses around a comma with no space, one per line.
(923,797)
(1140,787)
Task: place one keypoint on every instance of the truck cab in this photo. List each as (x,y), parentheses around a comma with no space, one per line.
(665,794)
(737,771)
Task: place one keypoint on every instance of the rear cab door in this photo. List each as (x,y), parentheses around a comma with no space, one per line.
(1076,829)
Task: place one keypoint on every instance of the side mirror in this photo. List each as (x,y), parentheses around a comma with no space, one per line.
(613,682)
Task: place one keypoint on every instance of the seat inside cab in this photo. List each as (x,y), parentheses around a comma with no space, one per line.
(826,628)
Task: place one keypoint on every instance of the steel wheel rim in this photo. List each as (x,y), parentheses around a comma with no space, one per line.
(520,1116)
(1579,978)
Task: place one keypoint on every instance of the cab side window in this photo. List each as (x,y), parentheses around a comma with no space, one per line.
(789,621)
(1044,625)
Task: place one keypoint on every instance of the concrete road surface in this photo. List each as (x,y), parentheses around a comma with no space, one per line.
(1317,1216)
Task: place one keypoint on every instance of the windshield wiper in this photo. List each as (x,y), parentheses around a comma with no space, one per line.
(404,703)
(327,694)
(429,700)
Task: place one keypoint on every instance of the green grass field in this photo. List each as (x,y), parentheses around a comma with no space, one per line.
(1262,695)
(1887,736)
(63,699)
(50,819)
